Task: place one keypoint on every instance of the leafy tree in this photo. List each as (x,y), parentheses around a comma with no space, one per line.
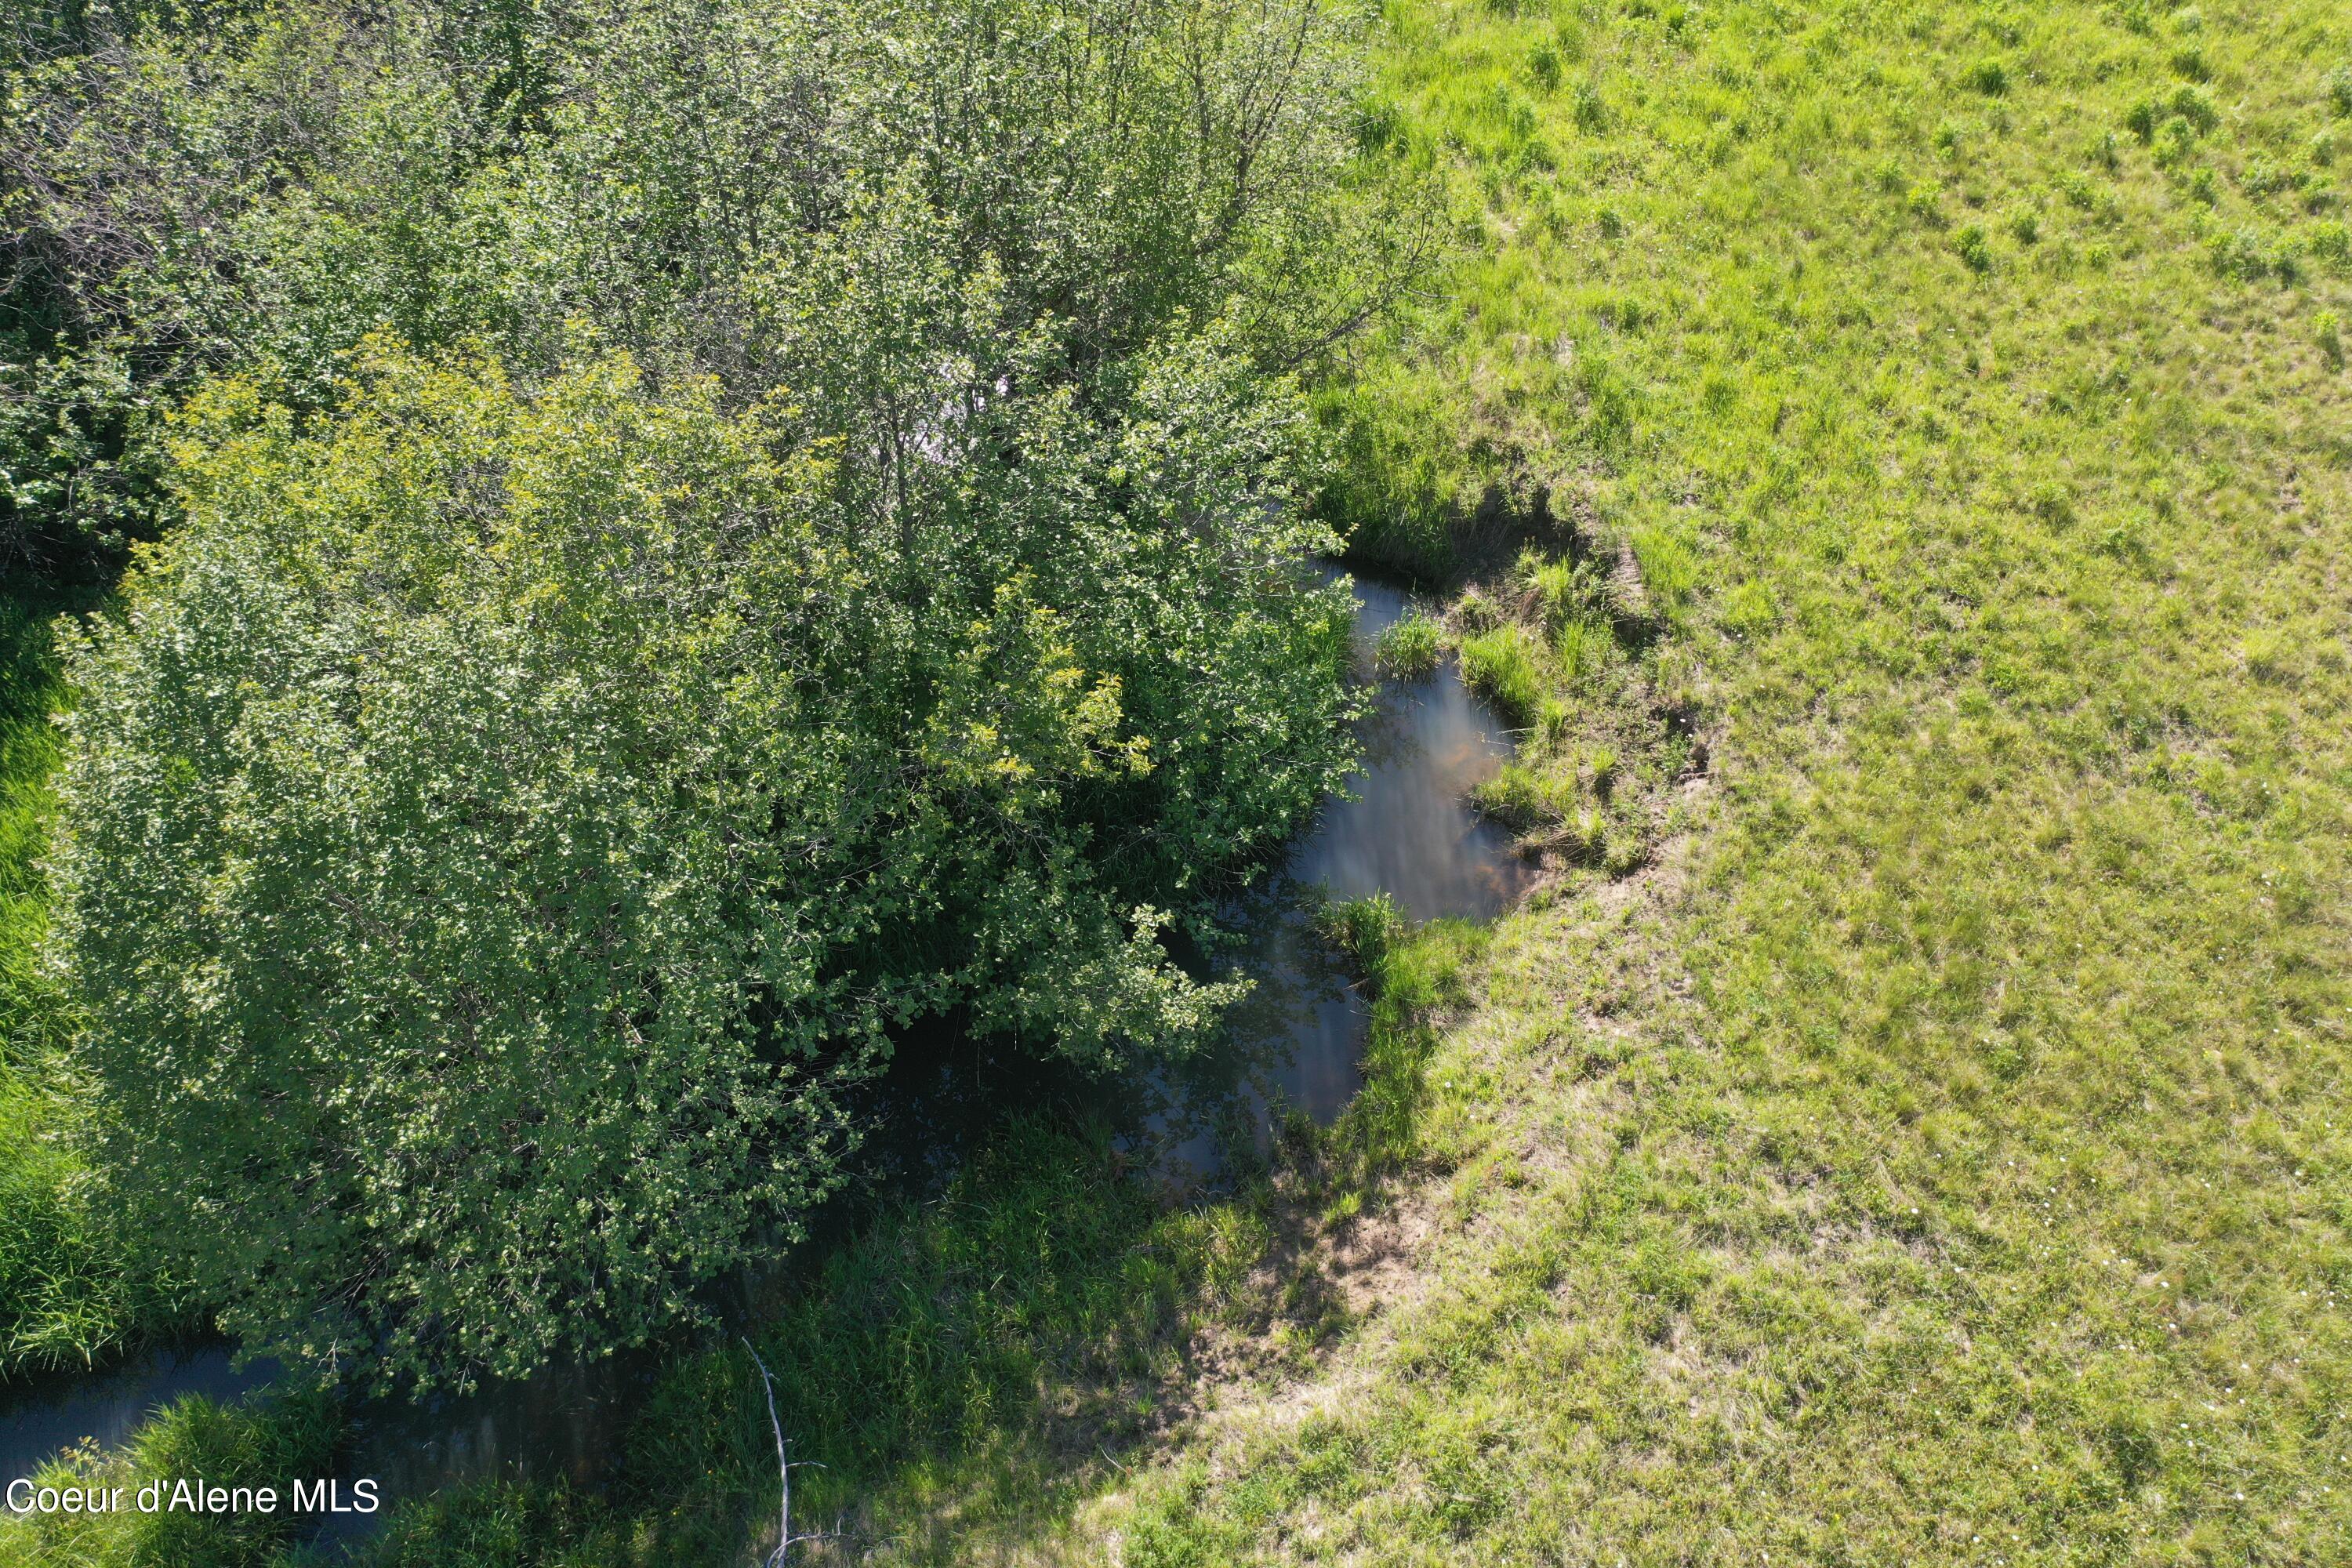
(502,828)
(258,188)
(826,557)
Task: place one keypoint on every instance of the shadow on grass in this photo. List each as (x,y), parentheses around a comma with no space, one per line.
(967,1370)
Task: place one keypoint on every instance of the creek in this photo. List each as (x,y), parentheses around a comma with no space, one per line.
(1404,828)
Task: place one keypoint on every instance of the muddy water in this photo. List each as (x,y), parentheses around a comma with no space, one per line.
(1404,829)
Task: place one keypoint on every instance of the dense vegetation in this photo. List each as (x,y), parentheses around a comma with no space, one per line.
(737,533)
(1893,459)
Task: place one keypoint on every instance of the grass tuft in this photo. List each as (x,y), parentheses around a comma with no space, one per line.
(1411,648)
(1501,665)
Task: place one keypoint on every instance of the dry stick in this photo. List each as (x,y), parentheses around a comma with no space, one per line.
(783,1464)
(785,1539)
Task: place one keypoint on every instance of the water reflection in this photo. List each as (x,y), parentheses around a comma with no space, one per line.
(1405,828)
(47,1415)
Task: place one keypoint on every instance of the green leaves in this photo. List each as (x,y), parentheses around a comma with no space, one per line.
(502,828)
(706,542)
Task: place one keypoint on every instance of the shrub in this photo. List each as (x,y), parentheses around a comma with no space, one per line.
(1591,114)
(184,198)
(1989,77)
(76,479)
(1974,248)
(2196,106)
(2250,255)
(577,861)
(1543,64)
(2175,140)
(2262,178)
(2332,243)
(2339,90)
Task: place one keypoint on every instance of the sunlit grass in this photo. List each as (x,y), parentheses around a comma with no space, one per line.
(1942,1161)
(202,1444)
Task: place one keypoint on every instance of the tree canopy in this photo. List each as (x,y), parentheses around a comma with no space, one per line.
(703,535)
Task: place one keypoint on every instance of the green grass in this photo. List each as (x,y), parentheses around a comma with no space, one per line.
(1552,644)
(1501,664)
(1411,648)
(1941,1156)
(195,1441)
(963,1368)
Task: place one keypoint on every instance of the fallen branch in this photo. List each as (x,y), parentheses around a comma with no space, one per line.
(785,1465)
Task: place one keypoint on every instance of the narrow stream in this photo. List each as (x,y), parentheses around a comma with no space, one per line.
(1296,1043)
(1409,832)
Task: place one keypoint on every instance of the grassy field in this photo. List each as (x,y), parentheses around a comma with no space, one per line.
(1913,1127)
(1937,1152)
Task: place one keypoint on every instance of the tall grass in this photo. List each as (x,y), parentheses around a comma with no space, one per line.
(1502,664)
(999,1345)
(1410,648)
(199,1442)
